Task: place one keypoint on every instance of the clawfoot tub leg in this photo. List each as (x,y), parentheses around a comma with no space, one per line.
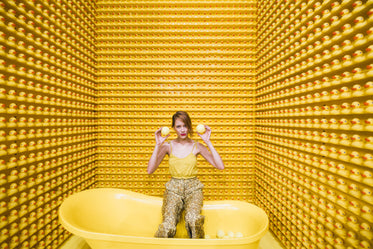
(171,210)
(193,219)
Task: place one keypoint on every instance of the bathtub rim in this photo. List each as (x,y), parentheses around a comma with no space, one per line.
(90,235)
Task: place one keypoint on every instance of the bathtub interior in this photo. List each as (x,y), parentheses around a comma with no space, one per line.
(229,216)
(132,214)
(112,212)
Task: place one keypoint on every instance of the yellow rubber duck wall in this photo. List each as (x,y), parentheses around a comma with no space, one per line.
(286,87)
(313,122)
(154,58)
(48,143)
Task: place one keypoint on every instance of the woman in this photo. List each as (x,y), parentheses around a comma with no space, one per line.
(184,190)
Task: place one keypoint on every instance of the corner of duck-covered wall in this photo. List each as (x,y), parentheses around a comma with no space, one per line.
(47,116)
(313,148)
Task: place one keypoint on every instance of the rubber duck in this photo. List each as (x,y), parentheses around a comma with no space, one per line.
(315,137)
(3,193)
(357,141)
(341,185)
(352,223)
(342,155)
(339,243)
(345,108)
(315,124)
(3,150)
(333,153)
(341,215)
(367,213)
(368,72)
(12,122)
(324,137)
(2,135)
(347,77)
(356,124)
(340,231)
(316,110)
(356,158)
(366,231)
(368,143)
(12,108)
(320,229)
(334,95)
(368,106)
(4,232)
(322,204)
(368,124)
(331,181)
(333,138)
(344,140)
(323,151)
(354,190)
(356,108)
(329,223)
(354,207)
(335,109)
(345,92)
(368,160)
(355,175)
(333,123)
(325,96)
(346,60)
(342,170)
(324,123)
(13,176)
(358,57)
(336,50)
(367,178)
(322,162)
(336,79)
(352,239)
(368,88)
(357,90)
(322,178)
(331,195)
(317,84)
(13,189)
(321,217)
(367,195)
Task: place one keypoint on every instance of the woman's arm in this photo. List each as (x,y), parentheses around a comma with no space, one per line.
(159,152)
(211,156)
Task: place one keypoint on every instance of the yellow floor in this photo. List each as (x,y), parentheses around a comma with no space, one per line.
(267,242)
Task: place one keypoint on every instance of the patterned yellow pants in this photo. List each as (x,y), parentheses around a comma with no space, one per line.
(182,194)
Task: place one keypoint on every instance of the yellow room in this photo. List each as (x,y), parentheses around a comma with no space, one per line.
(285,86)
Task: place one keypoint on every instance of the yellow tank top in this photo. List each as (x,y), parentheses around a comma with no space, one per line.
(185,167)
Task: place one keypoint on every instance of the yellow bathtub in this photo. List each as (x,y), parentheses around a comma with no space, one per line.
(117,218)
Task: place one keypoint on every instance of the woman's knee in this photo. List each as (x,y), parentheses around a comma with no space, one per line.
(166,230)
(192,219)
(194,225)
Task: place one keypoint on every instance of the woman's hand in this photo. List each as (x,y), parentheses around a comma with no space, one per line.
(158,153)
(206,136)
(158,137)
(210,154)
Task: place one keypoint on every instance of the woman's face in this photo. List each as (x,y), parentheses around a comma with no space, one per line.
(181,129)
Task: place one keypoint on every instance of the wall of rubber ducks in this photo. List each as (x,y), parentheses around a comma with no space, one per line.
(313,122)
(48,123)
(286,87)
(156,58)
